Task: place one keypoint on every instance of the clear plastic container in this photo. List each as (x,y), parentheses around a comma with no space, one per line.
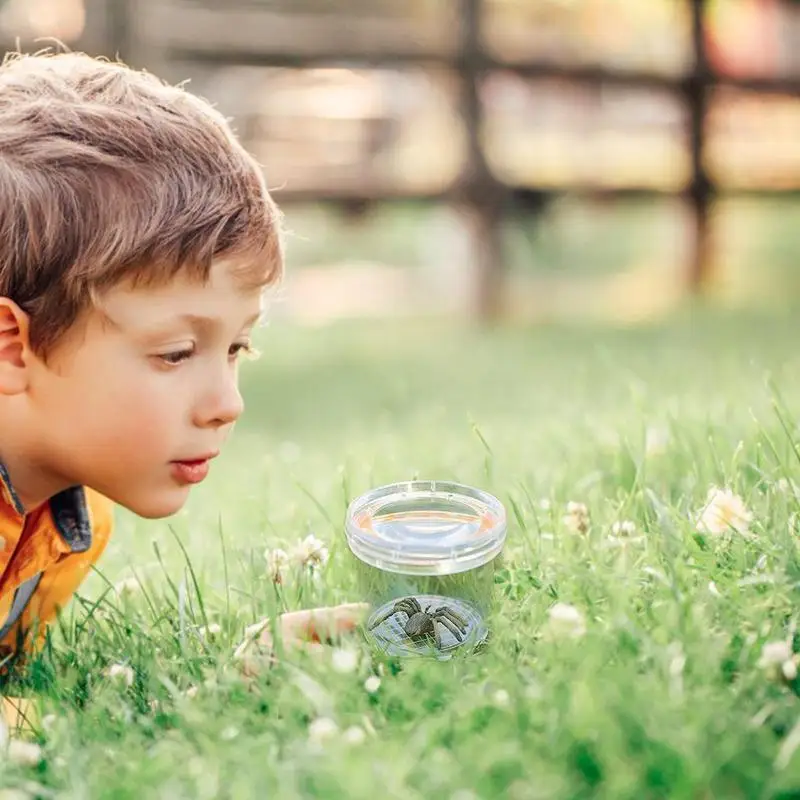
(426,554)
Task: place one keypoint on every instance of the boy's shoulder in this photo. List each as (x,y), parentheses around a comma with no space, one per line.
(80,517)
(83,517)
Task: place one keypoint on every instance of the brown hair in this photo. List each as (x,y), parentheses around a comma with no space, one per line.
(108,175)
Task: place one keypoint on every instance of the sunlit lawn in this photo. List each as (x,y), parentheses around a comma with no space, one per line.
(661,695)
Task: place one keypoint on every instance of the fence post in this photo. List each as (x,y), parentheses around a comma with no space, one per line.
(480,190)
(700,190)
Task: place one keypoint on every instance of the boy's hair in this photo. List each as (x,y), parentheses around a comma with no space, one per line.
(108,175)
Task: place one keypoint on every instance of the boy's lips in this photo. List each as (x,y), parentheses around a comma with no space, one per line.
(191,470)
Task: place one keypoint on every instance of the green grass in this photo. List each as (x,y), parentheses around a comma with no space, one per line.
(662,696)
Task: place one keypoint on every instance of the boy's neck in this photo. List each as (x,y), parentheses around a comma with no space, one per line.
(25,492)
(33,484)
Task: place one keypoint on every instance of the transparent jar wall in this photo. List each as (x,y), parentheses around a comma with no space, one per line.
(457,609)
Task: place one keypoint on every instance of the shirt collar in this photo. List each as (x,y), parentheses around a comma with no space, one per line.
(68,508)
(8,492)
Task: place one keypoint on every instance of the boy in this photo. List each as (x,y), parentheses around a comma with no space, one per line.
(137,239)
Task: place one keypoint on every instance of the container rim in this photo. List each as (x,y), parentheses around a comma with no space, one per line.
(431,555)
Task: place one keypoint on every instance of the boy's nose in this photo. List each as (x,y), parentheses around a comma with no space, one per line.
(223,406)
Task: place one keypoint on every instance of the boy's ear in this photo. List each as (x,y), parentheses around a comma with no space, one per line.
(14,348)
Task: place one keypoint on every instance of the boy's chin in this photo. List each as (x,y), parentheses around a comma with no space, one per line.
(153,506)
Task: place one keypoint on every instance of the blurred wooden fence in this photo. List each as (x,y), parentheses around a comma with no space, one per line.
(447,35)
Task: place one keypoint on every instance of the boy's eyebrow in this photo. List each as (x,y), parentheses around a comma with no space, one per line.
(198,322)
(203,323)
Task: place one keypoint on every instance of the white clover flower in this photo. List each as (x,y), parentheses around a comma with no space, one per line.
(322,729)
(622,529)
(577,517)
(354,735)
(775,653)
(344,660)
(28,754)
(565,621)
(501,697)
(310,552)
(121,672)
(277,564)
(778,661)
(724,511)
(372,684)
(127,587)
(210,631)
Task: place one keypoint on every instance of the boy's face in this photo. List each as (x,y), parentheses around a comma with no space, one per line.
(140,398)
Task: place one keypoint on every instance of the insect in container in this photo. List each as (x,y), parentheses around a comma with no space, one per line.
(421,624)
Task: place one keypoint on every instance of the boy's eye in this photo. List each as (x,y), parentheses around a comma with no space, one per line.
(239,348)
(177,357)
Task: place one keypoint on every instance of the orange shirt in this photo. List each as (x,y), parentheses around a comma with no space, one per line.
(44,557)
